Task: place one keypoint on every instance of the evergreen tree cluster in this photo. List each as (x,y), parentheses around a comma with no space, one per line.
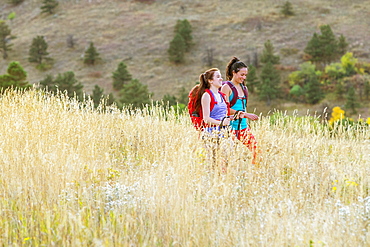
(182,41)
(131,91)
(325,47)
(65,83)
(308,85)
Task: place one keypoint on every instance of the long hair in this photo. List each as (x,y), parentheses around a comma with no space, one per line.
(234,65)
(204,84)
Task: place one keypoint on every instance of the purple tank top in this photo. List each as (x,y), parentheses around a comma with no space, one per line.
(219,111)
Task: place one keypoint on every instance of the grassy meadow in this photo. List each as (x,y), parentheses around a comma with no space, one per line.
(75,176)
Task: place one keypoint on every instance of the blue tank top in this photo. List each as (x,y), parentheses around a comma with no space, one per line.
(240,104)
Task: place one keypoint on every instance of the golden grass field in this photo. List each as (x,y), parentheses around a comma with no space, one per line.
(75,176)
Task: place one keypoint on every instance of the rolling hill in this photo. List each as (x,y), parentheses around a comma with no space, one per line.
(139,34)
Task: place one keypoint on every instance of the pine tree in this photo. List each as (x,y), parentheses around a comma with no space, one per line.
(100,99)
(91,55)
(252,79)
(184,28)
(313,90)
(109,99)
(177,48)
(38,50)
(324,47)
(351,102)
(68,82)
(268,54)
(121,76)
(287,9)
(49,6)
(48,83)
(16,77)
(270,80)
(313,48)
(342,45)
(97,95)
(135,94)
(328,43)
(19,75)
(63,82)
(5,38)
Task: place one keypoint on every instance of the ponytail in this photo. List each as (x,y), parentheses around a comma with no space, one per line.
(234,65)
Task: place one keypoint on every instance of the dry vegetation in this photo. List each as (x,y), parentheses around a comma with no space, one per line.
(140,33)
(72,176)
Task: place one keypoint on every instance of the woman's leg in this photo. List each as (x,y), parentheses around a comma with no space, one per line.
(247,138)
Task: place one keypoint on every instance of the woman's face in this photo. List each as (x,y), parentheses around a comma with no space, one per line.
(217,79)
(240,76)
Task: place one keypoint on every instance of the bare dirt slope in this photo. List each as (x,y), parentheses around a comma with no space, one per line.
(139,34)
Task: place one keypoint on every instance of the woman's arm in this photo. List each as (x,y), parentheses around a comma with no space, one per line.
(250,116)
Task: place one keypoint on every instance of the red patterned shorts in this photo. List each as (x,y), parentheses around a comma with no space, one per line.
(246,137)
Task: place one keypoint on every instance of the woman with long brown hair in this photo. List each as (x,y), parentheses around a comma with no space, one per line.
(236,73)
(209,103)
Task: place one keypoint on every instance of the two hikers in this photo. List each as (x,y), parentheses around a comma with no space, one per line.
(214,104)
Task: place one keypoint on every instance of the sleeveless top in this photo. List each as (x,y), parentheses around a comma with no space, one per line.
(240,104)
(218,112)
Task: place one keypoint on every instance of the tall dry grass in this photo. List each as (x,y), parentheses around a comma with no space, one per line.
(74,176)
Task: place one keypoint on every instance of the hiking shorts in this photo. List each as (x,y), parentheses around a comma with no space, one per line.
(246,137)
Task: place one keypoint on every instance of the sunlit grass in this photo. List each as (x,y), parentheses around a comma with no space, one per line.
(74,176)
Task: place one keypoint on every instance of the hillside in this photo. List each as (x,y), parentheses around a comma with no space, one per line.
(139,34)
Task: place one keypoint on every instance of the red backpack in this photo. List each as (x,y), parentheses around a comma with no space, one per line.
(197,116)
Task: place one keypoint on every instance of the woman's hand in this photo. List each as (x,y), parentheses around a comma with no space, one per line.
(226,122)
(250,116)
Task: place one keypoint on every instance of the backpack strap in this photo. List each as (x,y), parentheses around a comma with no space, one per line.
(227,103)
(245,90)
(213,101)
(235,92)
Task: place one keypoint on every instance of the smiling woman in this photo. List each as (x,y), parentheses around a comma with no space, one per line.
(207,105)
(237,94)
(216,117)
